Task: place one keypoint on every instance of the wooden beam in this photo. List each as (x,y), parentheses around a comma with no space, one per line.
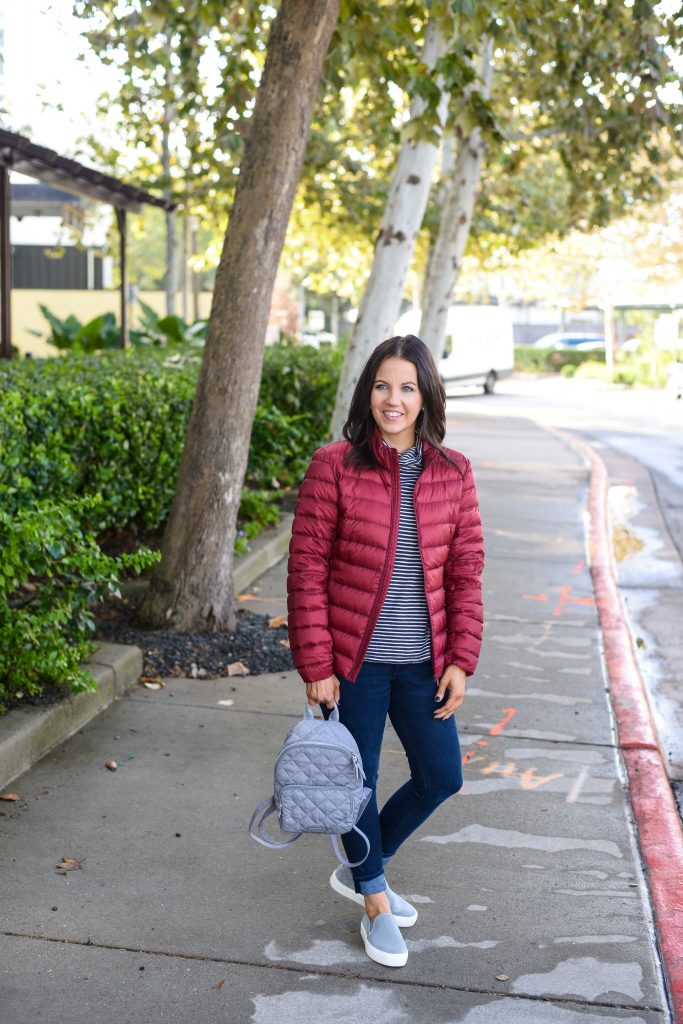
(5,266)
(121,221)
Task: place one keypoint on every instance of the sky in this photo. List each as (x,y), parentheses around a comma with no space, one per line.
(41,51)
(50,96)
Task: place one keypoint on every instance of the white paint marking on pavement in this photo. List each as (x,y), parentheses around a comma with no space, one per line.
(585,977)
(515,1011)
(371,1005)
(447,941)
(323,953)
(573,794)
(522,840)
(627,894)
(582,940)
(534,753)
(549,698)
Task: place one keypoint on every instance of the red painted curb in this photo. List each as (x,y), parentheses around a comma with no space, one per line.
(660,833)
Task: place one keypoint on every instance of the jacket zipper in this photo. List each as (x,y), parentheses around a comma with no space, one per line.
(388,566)
(424,579)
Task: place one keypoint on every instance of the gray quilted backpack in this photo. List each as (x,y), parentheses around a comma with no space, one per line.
(318,785)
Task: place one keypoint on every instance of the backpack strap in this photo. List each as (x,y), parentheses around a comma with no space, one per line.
(338,854)
(334,713)
(265,809)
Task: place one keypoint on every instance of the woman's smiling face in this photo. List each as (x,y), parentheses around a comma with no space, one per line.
(396,401)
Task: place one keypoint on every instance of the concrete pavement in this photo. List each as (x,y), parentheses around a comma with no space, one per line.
(533,908)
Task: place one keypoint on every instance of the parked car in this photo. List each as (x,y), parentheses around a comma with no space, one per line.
(674,380)
(576,341)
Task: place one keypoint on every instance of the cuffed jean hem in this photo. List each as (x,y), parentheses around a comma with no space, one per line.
(372,886)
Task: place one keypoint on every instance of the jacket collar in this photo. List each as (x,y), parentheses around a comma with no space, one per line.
(383,454)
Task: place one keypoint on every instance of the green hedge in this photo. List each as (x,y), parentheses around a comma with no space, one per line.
(93,442)
(550,360)
(51,571)
(114,424)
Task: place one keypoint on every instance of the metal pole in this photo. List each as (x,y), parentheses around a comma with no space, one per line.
(121,221)
(5,266)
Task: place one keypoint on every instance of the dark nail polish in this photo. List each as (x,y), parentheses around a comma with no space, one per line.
(438,698)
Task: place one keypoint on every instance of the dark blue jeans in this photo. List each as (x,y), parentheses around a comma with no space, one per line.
(406,693)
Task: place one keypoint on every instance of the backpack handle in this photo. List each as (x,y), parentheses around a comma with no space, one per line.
(334,713)
(265,809)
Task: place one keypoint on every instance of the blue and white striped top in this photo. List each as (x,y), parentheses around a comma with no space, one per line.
(402,632)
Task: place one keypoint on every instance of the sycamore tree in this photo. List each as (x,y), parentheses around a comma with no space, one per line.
(187,75)
(192,588)
(584,100)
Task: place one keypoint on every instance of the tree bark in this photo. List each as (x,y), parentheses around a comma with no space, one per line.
(406,204)
(448,151)
(460,192)
(170,277)
(193,587)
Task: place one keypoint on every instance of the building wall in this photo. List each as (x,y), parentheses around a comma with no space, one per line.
(86,305)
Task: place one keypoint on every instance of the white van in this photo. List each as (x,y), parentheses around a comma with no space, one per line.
(479,347)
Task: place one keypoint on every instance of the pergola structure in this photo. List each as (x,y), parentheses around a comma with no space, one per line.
(17,153)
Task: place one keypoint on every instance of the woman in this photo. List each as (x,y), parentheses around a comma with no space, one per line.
(385,610)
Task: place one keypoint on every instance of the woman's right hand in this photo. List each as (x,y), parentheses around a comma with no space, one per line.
(325,691)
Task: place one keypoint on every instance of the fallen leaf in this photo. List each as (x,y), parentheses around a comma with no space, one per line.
(111,765)
(220,984)
(285,643)
(9,796)
(226,703)
(502,977)
(69,864)
(236,668)
(152,682)
(279,620)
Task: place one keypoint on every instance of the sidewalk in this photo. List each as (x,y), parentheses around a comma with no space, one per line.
(532,903)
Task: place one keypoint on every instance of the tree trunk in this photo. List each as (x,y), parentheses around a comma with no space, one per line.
(454,224)
(408,195)
(170,278)
(193,588)
(447,172)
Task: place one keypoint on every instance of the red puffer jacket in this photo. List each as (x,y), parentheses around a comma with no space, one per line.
(342,550)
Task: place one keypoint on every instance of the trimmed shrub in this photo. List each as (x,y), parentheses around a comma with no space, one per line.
(51,572)
(114,424)
(551,360)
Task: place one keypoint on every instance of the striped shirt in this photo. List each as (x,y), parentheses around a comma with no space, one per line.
(402,632)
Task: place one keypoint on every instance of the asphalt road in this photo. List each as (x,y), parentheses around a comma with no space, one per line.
(639,435)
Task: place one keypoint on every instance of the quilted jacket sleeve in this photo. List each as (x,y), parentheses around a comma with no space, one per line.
(462,582)
(310,549)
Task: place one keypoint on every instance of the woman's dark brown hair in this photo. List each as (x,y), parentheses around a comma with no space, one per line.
(431,422)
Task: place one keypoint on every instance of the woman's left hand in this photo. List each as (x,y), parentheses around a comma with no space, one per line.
(453,680)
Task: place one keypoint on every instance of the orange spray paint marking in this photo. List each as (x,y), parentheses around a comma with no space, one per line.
(488,464)
(482,743)
(578,567)
(504,768)
(509,714)
(583,600)
(256,597)
(472,755)
(564,597)
(530,780)
(535,597)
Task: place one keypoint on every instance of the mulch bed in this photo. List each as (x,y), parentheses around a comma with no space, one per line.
(207,656)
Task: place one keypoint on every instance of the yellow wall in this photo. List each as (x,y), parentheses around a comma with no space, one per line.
(84,304)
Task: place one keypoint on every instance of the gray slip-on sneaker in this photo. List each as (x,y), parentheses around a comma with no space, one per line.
(403,912)
(383,940)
